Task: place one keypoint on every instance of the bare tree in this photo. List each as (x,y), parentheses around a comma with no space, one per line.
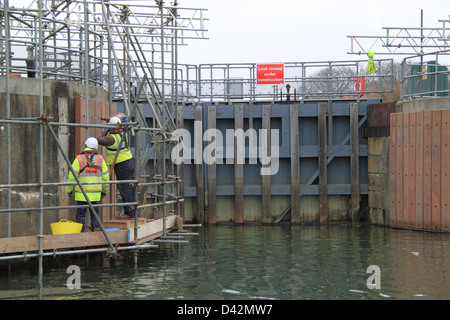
(340,81)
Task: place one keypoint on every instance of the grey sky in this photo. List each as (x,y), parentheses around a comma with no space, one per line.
(259,31)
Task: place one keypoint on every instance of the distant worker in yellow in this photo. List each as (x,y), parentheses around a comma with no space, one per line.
(121,159)
(89,167)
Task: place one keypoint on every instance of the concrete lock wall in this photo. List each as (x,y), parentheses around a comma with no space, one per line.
(378,132)
(59,102)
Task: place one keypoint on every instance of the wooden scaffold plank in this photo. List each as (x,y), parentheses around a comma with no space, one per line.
(146,232)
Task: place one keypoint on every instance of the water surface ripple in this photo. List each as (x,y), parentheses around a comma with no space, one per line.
(254,262)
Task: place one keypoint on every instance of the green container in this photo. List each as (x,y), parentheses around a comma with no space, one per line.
(427,84)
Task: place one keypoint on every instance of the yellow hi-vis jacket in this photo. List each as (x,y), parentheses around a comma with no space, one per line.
(97,170)
(371,64)
(124,152)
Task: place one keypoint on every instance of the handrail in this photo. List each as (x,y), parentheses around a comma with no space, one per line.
(421,77)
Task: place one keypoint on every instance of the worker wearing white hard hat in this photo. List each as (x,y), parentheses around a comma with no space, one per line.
(120,158)
(114,120)
(89,167)
(91,143)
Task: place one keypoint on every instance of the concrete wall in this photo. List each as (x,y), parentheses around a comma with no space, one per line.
(378,161)
(58,101)
(423,104)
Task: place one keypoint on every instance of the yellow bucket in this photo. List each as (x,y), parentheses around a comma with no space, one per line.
(64,227)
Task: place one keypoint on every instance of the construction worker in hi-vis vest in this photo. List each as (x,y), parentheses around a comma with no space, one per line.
(89,167)
(122,161)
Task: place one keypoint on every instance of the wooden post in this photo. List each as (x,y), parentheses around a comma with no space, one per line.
(180,168)
(63,170)
(80,117)
(198,160)
(295,164)
(392,171)
(436,190)
(238,168)
(211,172)
(399,170)
(427,171)
(354,161)
(266,192)
(322,152)
(419,172)
(411,206)
(445,167)
(405,168)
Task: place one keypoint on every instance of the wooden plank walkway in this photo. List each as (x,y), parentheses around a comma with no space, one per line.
(147,230)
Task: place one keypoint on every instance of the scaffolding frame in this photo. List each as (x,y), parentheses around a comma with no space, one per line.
(113,46)
(404,40)
(81,41)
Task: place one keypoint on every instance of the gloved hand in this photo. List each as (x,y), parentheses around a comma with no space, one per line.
(103,195)
(70,194)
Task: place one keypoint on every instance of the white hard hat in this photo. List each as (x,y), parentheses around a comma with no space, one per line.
(114,120)
(91,143)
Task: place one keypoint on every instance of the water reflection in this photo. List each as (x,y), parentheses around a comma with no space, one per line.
(256,262)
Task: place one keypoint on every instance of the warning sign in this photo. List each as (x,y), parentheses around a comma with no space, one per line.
(269,73)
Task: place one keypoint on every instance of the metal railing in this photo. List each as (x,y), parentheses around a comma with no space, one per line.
(425,75)
(105,47)
(302,81)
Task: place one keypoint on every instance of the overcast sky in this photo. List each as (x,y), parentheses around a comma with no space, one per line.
(262,31)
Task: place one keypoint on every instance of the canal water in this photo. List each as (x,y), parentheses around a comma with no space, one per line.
(339,262)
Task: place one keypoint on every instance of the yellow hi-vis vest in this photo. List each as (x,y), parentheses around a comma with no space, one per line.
(124,152)
(94,171)
(371,64)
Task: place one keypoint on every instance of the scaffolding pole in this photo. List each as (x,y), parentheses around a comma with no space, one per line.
(41,185)
(66,41)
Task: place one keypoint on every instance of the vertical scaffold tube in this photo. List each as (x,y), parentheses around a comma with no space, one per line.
(41,142)
(97,218)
